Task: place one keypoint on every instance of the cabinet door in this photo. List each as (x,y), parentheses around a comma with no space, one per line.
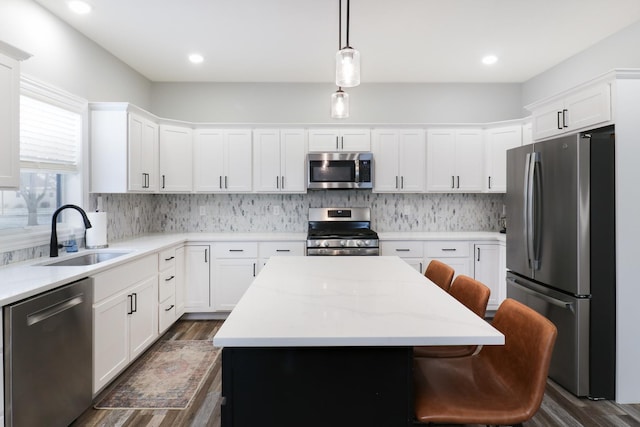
(323,140)
(486,270)
(441,149)
(197,287)
(143,321)
(110,339)
(385,147)
(208,160)
(412,160)
(498,142)
(469,160)
(266,160)
(238,174)
(9,122)
(176,159)
(589,107)
(142,154)
(547,120)
(355,140)
(293,151)
(232,277)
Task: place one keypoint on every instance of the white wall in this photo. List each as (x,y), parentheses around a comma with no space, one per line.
(309,102)
(66,59)
(621,50)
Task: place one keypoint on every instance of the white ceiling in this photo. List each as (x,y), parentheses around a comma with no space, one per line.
(296,40)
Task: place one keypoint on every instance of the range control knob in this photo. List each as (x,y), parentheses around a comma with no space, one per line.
(325,243)
(360,242)
(343,243)
(367,242)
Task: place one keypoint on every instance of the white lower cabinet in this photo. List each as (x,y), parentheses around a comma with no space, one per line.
(454,253)
(267,250)
(235,265)
(169,275)
(180,281)
(197,260)
(412,252)
(125,316)
(487,269)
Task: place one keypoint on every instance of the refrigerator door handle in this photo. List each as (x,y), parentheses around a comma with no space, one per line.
(528,207)
(536,206)
(546,298)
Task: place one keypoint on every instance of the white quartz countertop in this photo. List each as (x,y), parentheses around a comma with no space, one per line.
(442,235)
(349,301)
(28,278)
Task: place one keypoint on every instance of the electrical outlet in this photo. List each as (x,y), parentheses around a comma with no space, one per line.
(203,210)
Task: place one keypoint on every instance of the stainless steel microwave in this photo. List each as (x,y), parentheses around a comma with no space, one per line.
(340,170)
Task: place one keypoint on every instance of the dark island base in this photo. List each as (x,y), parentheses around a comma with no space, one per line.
(317,386)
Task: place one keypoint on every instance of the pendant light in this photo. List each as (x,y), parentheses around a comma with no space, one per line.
(347,59)
(339,104)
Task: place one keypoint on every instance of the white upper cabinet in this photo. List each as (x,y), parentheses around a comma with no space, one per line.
(176,157)
(10,116)
(399,160)
(222,160)
(124,149)
(455,160)
(579,110)
(279,160)
(326,140)
(497,142)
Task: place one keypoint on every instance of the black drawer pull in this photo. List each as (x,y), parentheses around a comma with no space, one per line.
(169,279)
(236,250)
(403,250)
(169,259)
(449,249)
(283,250)
(170,307)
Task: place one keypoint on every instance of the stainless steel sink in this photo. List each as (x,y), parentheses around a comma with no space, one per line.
(87,258)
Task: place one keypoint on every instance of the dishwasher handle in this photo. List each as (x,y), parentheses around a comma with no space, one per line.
(51,311)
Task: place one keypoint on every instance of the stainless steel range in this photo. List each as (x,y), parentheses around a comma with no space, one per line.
(341,231)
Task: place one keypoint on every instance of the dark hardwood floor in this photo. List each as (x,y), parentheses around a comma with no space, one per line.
(559,407)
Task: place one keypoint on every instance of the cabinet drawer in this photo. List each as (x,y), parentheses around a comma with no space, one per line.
(167,284)
(166,314)
(121,277)
(235,250)
(402,249)
(166,259)
(447,249)
(269,249)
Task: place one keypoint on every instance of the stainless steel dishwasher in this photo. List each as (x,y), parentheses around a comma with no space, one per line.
(48,356)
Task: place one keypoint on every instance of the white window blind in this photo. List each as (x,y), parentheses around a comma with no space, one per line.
(50,136)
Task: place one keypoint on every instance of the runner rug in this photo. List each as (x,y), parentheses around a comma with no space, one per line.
(168,376)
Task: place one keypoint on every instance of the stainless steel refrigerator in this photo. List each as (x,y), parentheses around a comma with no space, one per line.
(560,208)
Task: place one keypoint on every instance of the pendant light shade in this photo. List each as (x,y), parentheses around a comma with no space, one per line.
(339,104)
(347,67)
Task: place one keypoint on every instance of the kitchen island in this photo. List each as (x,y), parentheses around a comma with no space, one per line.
(328,341)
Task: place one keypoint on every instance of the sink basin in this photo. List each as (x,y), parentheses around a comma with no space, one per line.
(87,258)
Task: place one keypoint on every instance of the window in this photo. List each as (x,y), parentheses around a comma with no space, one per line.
(52,131)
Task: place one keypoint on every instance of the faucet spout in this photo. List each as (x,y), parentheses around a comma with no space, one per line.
(53,246)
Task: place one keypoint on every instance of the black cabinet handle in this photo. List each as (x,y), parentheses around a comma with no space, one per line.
(402,182)
(135,302)
(254,269)
(225,181)
(169,279)
(277,182)
(337,142)
(489,183)
(478,254)
(130,308)
(163,186)
(559,117)
(449,249)
(564,118)
(458,181)
(283,250)
(170,307)
(282,182)
(453,181)
(220,182)
(403,250)
(169,259)
(205,255)
(236,250)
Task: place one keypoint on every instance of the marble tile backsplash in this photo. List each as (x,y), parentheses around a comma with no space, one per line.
(288,212)
(131,215)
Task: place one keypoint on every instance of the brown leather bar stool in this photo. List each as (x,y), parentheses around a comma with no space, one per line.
(501,385)
(475,296)
(440,274)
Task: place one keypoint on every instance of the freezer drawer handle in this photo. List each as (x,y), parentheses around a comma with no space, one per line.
(48,312)
(550,300)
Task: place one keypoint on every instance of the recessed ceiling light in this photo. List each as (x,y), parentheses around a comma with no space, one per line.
(489,60)
(79,7)
(196,58)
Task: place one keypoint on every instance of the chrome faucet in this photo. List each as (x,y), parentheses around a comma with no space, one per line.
(53,247)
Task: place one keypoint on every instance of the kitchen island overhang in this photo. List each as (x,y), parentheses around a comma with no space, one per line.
(328,341)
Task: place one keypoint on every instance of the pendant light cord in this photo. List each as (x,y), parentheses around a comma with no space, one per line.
(339,24)
(348,7)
